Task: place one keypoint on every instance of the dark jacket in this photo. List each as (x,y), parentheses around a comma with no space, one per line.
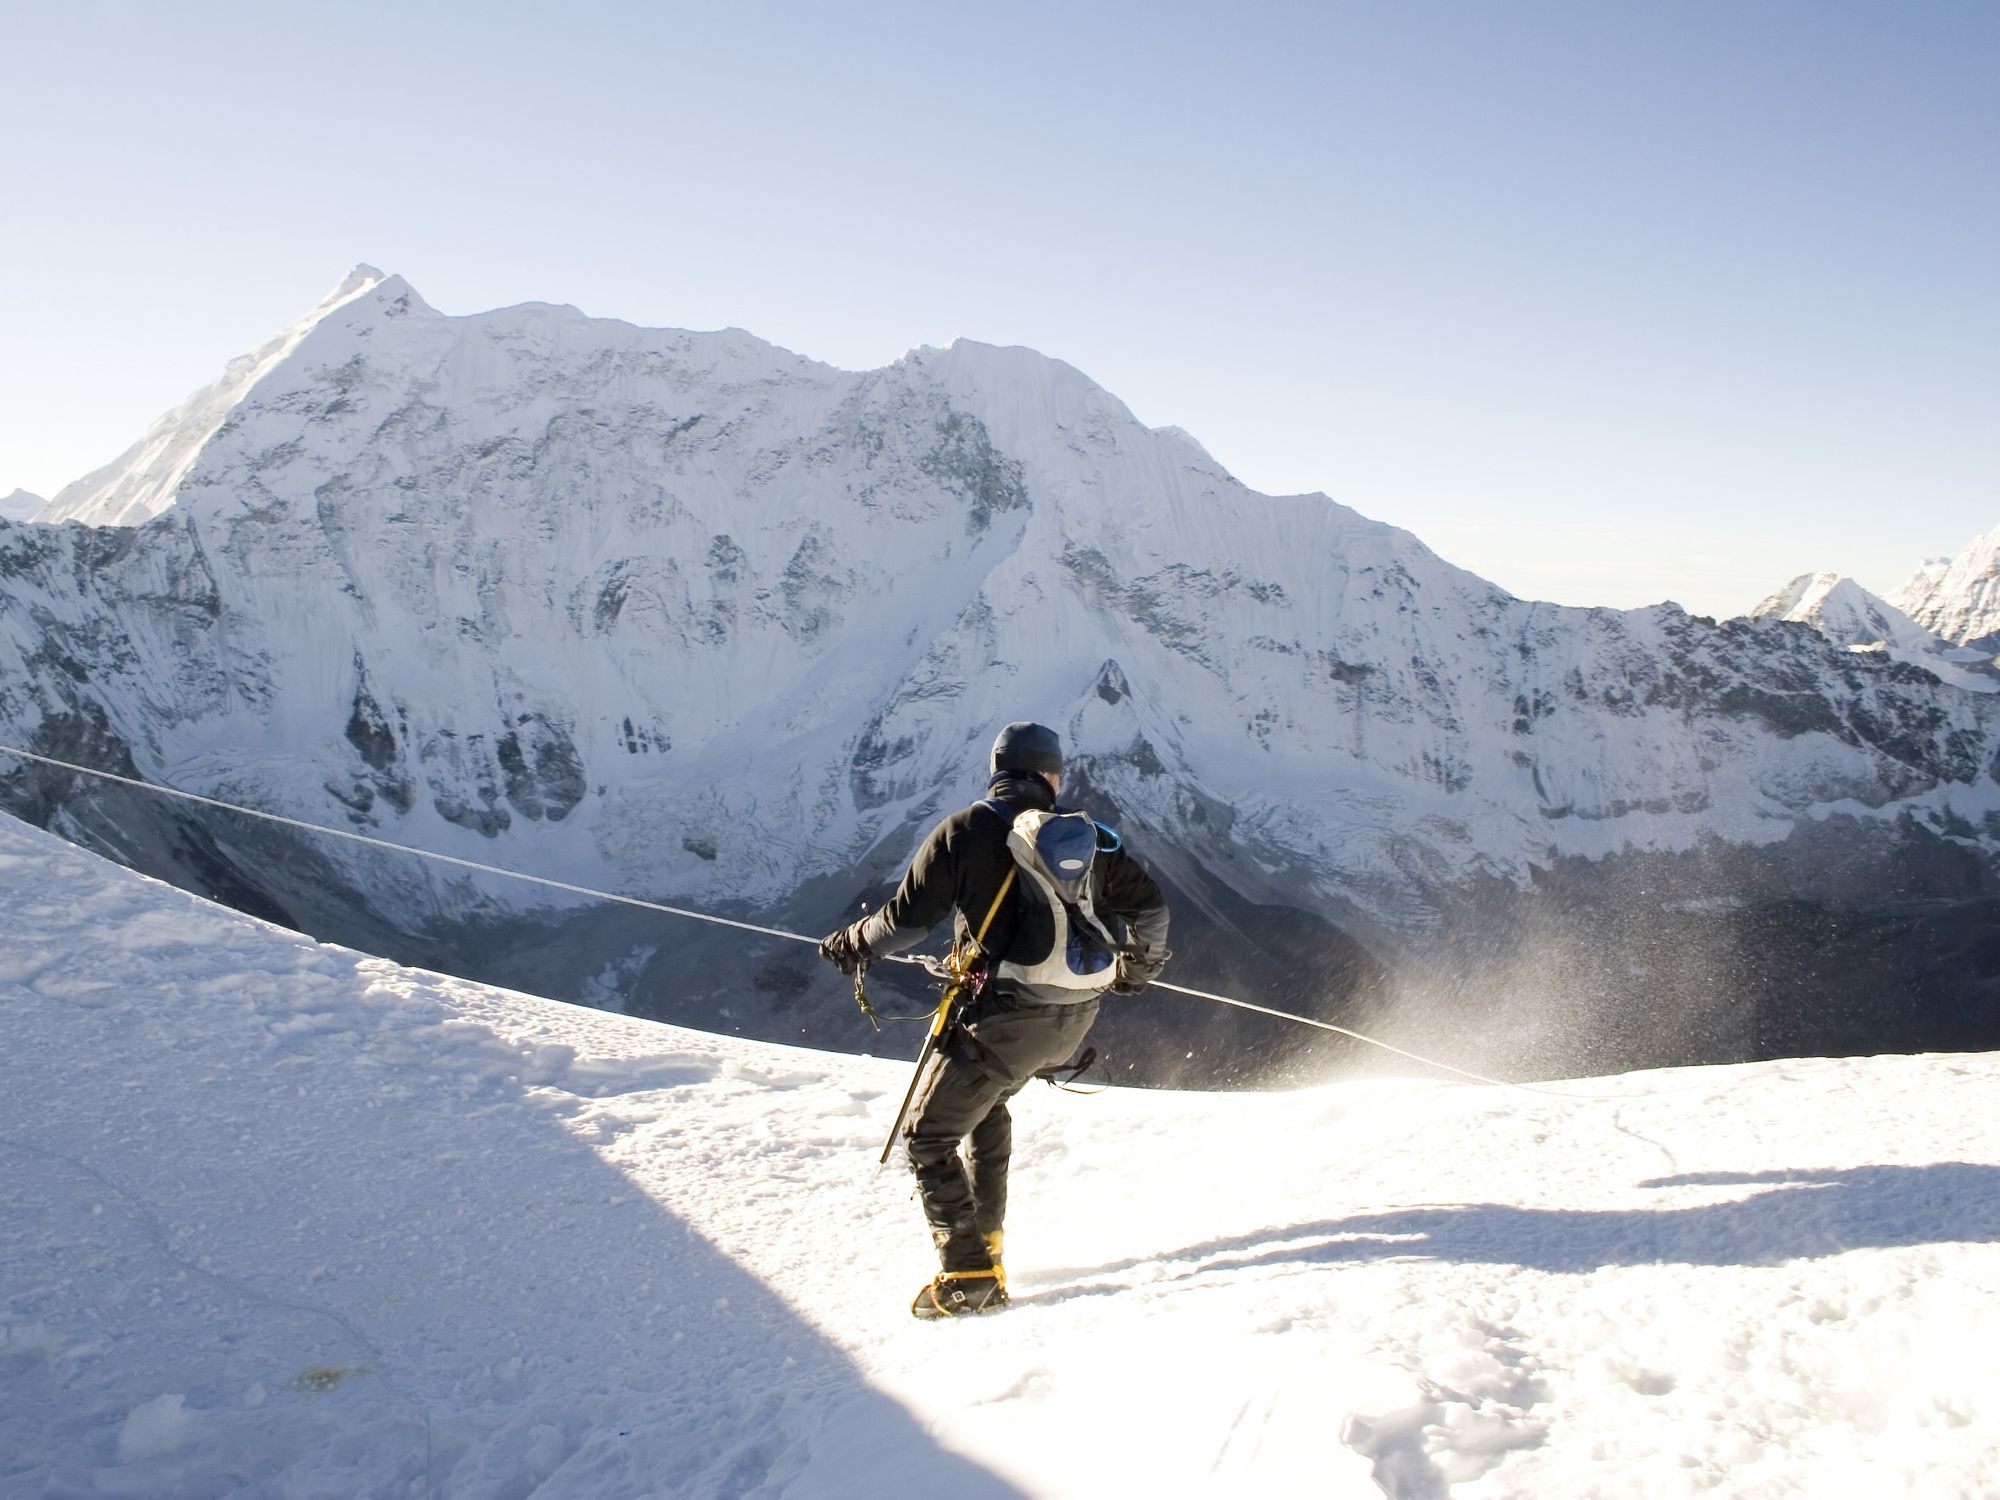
(964,862)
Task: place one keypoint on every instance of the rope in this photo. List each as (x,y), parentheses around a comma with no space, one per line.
(700,916)
(449,859)
(1285,1015)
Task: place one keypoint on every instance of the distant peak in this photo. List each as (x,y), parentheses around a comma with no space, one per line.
(20,506)
(359,279)
(1800,593)
(366,280)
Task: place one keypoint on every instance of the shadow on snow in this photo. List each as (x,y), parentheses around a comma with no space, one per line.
(1799,1215)
(352,1254)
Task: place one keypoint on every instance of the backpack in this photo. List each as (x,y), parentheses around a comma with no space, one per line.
(1053,855)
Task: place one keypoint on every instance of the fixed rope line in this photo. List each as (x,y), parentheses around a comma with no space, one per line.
(449,859)
(702,916)
(1285,1015)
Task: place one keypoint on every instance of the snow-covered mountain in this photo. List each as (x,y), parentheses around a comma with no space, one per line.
(281,1219)
(21,506)
(1844,612)
(691,616)
(1847,614)
(1958,597)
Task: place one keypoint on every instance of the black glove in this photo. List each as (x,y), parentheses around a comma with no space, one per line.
(845,950)
(1137,970)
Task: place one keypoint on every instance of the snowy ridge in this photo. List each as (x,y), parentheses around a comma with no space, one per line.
(21,506)
(1847,614)
(403,1234)
(143,481)
(1958,597)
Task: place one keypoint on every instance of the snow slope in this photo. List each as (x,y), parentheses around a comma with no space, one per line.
(1958,597)
(276,1218)
(20,506)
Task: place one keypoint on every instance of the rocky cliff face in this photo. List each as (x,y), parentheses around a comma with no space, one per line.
(688,616)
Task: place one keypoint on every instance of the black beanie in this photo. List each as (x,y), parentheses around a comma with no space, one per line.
(1028,747)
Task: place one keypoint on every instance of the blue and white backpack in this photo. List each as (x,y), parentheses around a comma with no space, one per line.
(1053,853)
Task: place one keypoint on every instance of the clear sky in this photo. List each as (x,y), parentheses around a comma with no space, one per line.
(1608,302)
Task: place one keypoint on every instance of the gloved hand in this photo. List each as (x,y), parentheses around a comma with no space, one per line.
(1137,970)
(845,950)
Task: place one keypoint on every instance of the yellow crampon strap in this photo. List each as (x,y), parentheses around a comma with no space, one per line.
(939,1297)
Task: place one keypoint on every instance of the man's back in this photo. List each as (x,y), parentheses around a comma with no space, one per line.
(963,868)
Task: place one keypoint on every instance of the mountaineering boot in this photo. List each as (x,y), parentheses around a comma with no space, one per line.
(953,1294)
(994,1239)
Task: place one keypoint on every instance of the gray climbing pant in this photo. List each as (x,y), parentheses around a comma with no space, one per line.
(980,1065)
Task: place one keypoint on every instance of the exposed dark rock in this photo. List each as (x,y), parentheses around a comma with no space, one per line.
(543,775)
(873,756)
(369,732)
(1111,684)
(486,819)
(811,594)
(81,735)
(610,600)
(359,798)
(726,560)
(965,463)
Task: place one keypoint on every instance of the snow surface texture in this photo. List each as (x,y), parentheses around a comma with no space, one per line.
(686,614)
(21,506)
(276,1218)
(1846,613)
(1958,597)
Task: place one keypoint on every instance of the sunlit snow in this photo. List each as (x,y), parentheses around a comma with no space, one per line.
(280,1219)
